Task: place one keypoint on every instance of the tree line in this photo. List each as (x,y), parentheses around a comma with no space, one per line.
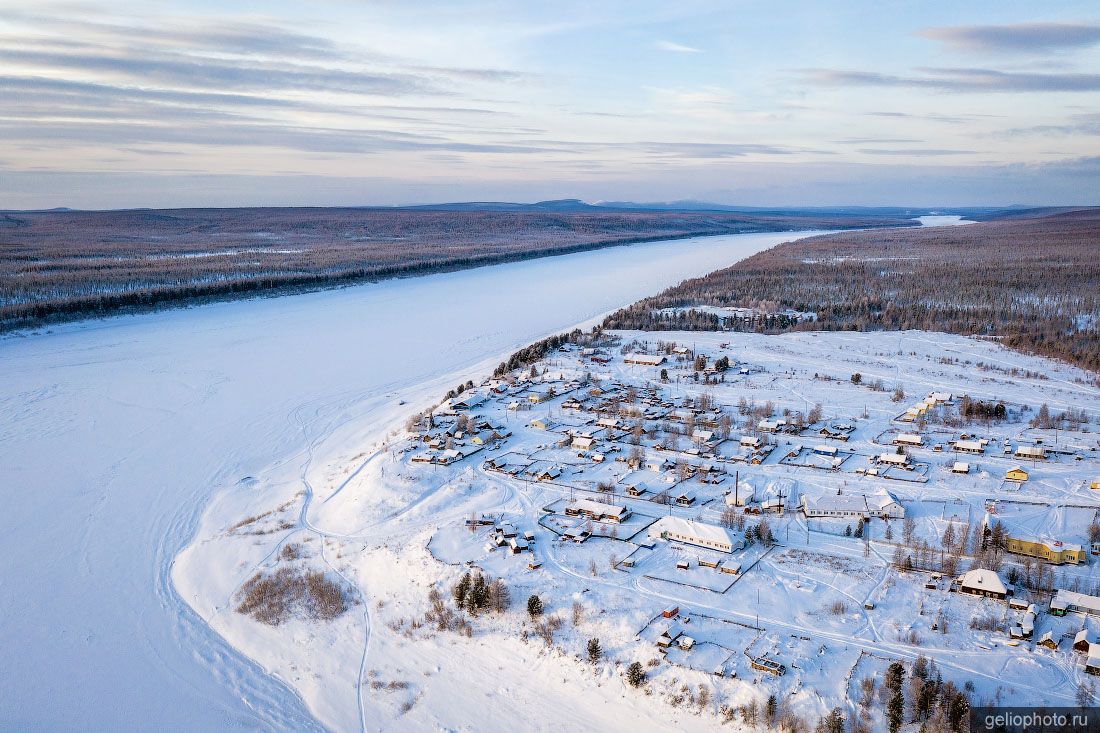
(61,264)
(1029,283)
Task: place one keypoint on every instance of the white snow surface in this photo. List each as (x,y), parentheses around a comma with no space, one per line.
(115,435)
(393,528)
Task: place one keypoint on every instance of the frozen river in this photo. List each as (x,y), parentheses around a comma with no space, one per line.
(114,434)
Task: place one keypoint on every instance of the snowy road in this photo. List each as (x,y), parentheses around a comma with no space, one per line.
(115,434)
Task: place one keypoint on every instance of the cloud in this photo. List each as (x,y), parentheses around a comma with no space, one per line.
(959,80)
(876,141)
(194,72)
(675,47)
(1021,37)
(219,131)
(717,151)
(1079,124)
(916,152)
(931,116)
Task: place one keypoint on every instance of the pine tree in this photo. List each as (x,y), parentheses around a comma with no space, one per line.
(771,710)
(461,589)
(895,710)
(480,591)
(595,653)
(534,606)
(833,722)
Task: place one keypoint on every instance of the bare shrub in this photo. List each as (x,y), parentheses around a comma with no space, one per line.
(988,622)
(274,597)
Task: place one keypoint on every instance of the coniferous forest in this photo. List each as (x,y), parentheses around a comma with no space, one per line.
(77,264)
(1032,283)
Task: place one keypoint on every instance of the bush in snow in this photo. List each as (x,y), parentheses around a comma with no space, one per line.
(273,597)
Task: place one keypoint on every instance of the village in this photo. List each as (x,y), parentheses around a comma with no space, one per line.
(788,519)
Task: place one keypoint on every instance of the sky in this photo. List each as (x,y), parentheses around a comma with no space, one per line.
(167,103)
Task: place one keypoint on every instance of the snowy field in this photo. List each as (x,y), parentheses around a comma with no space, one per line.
(825,603)
(115,435)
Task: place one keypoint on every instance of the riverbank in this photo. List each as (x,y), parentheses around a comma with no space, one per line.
(70,265)
(118,433)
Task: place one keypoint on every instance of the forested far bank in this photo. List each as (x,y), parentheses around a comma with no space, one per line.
(1030,283)
(71,264)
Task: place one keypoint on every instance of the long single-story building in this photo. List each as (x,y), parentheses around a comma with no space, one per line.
(1071,601)
(894,459)
(1031,452)
(597,511)
(881,505)
(970,446)
(700,534)
(834,505)
(644,359)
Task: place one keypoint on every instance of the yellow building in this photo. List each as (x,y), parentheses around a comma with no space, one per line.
(1052,551)
(1016,474)
(1095,484)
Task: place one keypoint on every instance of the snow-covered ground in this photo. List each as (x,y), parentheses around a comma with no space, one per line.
(942,220)
(116,434)
(826,605)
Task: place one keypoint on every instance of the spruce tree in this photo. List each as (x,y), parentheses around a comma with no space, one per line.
(534,606)
(895,709)
(771,710)
(594,651)
(461,589)
(635,675)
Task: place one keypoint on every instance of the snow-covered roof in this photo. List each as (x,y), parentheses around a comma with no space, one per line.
(598,508)
(984,580)
(646,359)
(1065,598)
(880,500)
(698,530)
(835,503)
(1051,544)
